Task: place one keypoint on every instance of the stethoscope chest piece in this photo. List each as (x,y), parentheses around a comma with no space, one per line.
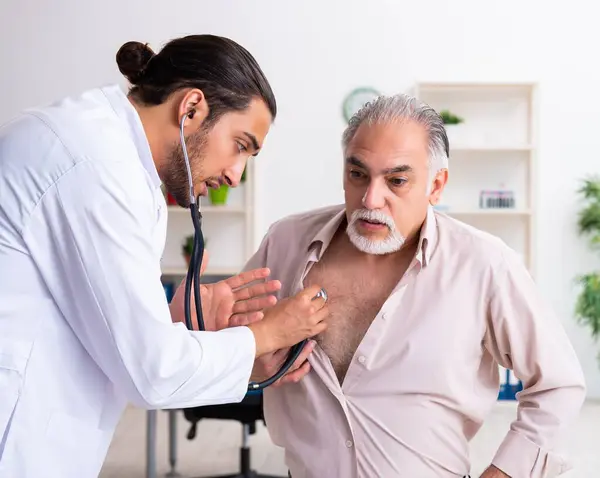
(322,293)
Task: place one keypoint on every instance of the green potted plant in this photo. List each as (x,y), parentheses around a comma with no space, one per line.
(218,197)
(454,130)
(587,308)
(450,118)
(187,248)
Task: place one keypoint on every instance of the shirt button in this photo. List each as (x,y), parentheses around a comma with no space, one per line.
(384,316)
(349,443)
(362,359)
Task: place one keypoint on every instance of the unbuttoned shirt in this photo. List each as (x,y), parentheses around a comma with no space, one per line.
(426,373)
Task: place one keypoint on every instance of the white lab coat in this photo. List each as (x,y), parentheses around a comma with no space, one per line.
(84,322)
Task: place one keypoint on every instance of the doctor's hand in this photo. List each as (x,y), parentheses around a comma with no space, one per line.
(290,321)
(230,302)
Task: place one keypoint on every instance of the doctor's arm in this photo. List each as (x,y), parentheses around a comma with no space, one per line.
(524,335)
(91,238)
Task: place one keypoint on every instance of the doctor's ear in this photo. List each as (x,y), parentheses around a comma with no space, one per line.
(192,105)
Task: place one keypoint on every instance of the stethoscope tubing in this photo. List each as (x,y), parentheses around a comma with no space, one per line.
(193,277)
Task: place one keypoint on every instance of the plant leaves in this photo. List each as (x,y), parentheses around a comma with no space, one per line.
(587,306)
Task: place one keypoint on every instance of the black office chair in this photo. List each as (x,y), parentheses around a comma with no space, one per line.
(248,412)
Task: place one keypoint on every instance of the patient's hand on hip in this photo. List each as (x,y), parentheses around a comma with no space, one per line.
(269,364)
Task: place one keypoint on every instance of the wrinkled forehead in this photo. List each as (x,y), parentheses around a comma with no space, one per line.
(386,145)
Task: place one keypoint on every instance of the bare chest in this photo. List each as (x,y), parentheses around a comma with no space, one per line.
(354,301)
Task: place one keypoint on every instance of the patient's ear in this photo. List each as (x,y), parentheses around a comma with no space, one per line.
(437,186)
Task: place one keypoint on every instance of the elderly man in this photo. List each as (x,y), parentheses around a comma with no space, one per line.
(423,308)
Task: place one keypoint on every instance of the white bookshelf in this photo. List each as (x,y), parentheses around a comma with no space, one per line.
(494,149)
(228,232)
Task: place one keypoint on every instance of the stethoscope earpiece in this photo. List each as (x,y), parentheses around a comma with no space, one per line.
(191,114)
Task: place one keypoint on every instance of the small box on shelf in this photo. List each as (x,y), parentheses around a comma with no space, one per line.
(499,199)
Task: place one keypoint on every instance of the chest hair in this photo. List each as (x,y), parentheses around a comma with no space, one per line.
(355,298)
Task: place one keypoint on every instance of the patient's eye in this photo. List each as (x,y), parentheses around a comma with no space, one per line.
(397,182)
(355,174)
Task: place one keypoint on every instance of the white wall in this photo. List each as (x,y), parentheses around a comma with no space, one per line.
(314,52)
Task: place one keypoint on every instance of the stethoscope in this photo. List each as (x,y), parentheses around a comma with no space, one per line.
(193,274)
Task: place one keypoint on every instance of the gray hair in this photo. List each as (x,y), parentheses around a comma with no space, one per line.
(402,107)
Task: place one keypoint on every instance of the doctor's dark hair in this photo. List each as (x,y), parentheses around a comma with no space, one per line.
(227,73)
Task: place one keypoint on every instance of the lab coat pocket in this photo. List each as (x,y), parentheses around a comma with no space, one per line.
(10,389)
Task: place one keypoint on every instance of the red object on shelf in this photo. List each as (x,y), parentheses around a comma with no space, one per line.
(171,200)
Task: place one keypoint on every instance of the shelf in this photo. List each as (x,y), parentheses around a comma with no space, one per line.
(490,149)
(485,212)
(210,271)
(453,86)
(225,209)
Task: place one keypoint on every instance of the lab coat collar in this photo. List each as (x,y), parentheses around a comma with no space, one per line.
(125,110)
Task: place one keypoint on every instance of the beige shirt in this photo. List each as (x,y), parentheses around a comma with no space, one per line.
(426,373)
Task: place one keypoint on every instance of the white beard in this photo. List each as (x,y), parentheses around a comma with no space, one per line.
(392,243)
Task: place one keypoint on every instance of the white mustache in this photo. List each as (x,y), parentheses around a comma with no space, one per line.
(372,215)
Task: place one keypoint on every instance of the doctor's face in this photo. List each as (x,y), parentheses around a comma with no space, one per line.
(387,185)
(218,153)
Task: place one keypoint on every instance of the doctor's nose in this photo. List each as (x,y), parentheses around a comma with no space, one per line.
(230,180)
(233,177)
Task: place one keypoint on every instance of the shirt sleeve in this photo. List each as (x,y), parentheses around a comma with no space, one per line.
(260,258)
(526,337)
(91,236)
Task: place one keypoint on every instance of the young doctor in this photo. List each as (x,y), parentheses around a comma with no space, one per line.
(85,327)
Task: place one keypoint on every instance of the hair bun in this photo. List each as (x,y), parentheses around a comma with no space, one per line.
(132,59)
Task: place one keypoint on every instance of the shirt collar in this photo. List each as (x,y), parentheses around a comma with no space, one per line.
(427,239)
(323,237)
(126,112)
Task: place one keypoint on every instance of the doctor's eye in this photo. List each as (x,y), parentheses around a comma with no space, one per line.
(241,147)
